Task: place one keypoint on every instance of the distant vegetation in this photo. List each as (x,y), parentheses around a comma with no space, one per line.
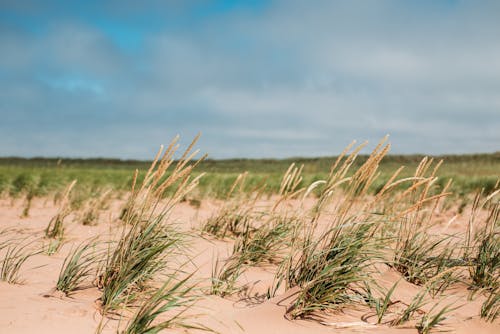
(39,176)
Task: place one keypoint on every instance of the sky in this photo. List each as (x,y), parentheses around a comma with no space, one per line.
(278,79)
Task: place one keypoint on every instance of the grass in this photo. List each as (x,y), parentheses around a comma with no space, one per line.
(139,255)
(421,258)
(146,241)
(431,320)
(235,216)
(330,225)
(55,228)
(225,275)
(325,275)
(469,172)
(483,247)
(380,304)
(267,244)
(54,245)
(171,296)
(15,257)
(78,266)
(93,207)
(415,306)
(490,309)
(328,267)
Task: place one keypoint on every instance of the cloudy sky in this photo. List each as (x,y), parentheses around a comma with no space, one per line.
(257,78)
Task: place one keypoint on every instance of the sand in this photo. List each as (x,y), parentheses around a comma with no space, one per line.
(33,307)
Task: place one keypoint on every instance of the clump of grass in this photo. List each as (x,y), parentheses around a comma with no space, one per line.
(79,265)
(415,306)
(263,244)
(225,275)
(27,207)
(237,212)
(483,248)
(418,256)
(138,256)
(490,309)
(380,304)
(266,244)
(14,258)
(146,242)
(171,296)
(328,266)
(53,245)
(93,207)
(326,274)
(55,229)
(431,320)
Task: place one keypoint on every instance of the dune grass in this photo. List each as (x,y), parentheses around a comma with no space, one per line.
(325,232)
(79,265)
(172,296)
(55,228)
(14,258)
(483,246)
(147,241)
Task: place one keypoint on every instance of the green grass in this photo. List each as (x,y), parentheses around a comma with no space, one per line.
(79,265)
(41,176)
(171,296)
(15,257)
(490,310)
(147,241)
(382,216)
(483,246)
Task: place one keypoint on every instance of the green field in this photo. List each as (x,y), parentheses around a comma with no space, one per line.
(41,176)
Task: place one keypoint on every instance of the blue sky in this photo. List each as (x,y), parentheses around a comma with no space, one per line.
(256,78)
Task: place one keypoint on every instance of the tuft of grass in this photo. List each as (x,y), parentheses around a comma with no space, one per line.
(483,247)
(417,255)
(139,255)
(490,309)
(171,296)
(431,320)
(421,258)
(55,229)
(79,265)
(92,209)
(415,306)
(225,275)
(14,258)
(146,241)
(381,305)
(266,244)
(53,245)
(326,275)
(327,265)
(236,214)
